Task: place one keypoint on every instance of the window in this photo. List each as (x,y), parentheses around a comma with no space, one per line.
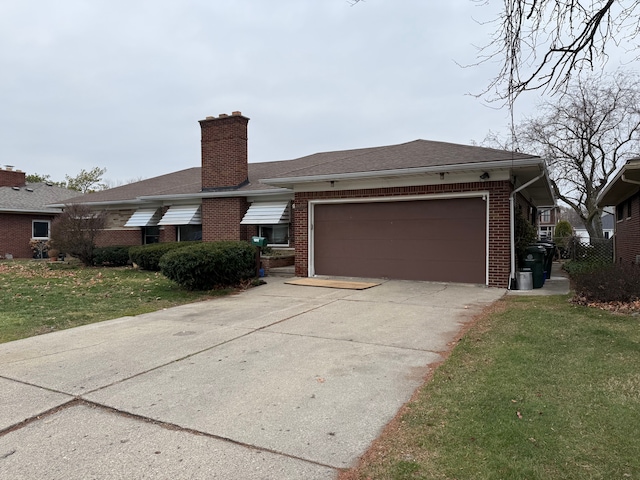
(619,212)
(150,235)
(188,233)
(545,216)
(628,208)
(276,234)
(40,229)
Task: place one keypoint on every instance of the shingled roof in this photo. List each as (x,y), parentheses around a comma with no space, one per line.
(32,198)
(415,154)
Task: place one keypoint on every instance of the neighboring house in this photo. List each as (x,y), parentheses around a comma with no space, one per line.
(24,214)
(547,219)
(420,210)
(580,231)
(623,193)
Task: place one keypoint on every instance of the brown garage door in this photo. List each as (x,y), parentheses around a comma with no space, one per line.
(436,240)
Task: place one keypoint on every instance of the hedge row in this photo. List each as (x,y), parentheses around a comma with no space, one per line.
(147,257)
(208,265)
(613,283)
(193,265)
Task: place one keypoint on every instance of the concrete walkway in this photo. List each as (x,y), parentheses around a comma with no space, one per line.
(279,382)
(557,284)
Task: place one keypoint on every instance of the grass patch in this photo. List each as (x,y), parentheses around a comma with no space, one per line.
(41,297)
(537,389)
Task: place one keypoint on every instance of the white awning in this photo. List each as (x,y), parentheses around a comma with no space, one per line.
(182,215)
(144,217)
(267,213)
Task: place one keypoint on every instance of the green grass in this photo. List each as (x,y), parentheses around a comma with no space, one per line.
(537,389)
(40,297)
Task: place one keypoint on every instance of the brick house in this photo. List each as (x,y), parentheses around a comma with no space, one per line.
(623,193)
(421,210)
(24,214)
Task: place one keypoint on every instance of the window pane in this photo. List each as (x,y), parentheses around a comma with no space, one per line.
(189,233)
(40,229)
(150,235)
(275,234)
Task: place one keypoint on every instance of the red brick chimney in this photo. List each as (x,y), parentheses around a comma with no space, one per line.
(12,178)
(224,151)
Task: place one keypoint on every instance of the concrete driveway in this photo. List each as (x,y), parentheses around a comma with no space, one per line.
(278,382)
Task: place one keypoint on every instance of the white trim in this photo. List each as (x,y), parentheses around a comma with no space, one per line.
(449,178)
(48,222)
(528,162)
(484,194)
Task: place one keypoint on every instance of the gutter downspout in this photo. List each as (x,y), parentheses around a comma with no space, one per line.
(512,227)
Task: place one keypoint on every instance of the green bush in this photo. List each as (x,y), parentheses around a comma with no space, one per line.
(578,267)
(208,265)
(147,257)
(613,283)
(114,256)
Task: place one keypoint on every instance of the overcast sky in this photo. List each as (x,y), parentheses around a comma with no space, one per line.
(121,84)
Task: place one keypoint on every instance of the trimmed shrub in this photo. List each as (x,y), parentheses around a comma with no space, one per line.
(614,283)
(147,257)
(577,267)
(208,265)
(114,256)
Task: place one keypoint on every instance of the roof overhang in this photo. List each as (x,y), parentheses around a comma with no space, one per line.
(42,211)
(622,186)
(520,171)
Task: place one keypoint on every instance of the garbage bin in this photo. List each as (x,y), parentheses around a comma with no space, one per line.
(550,252)
(525,279)
(534,259)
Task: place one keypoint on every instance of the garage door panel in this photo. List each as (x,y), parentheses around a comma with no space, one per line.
(440,240)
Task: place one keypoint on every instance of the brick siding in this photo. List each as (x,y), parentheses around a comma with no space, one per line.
(499,245)
(15,233)
(221,219)
(627,233)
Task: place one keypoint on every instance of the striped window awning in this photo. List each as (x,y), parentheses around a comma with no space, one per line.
(144,217)
(267,213)
(182,215)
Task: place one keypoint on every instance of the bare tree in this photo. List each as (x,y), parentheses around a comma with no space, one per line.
(75,231)
(540,44)
(585,136)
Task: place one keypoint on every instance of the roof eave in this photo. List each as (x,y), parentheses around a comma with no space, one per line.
(220,194)
(620,188)
(41,211)
(290,181)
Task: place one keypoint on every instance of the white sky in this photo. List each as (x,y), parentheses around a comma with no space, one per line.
(121,84)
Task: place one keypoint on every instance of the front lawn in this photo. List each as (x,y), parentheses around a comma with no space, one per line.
(41,297)
(538,388)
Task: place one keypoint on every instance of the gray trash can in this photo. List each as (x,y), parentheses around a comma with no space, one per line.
(525,279)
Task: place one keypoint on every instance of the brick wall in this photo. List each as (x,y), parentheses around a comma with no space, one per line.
(15,234)
(224,151)
(627,232)
(499,246)
(221,219)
